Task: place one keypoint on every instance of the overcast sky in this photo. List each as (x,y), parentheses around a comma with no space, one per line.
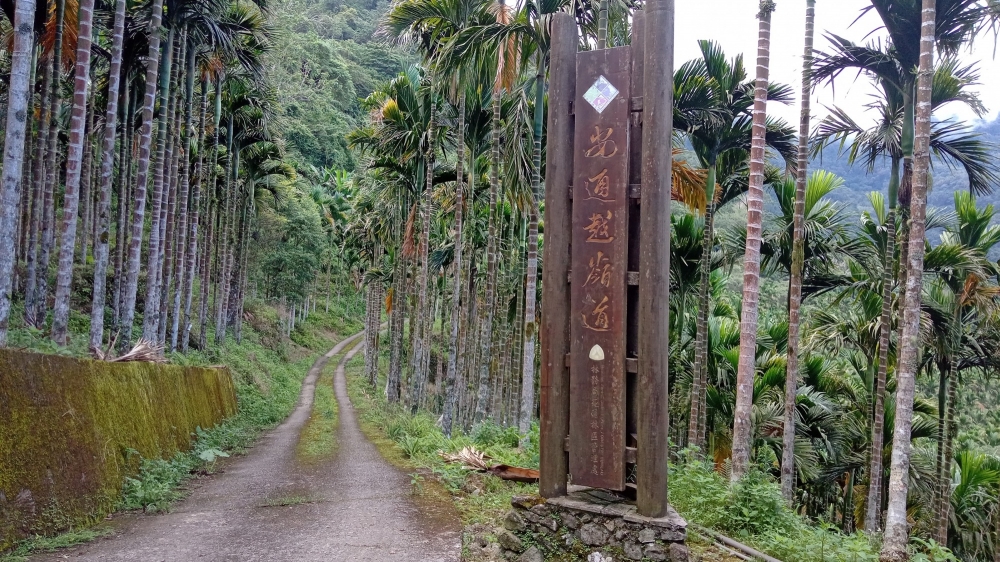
(733,24)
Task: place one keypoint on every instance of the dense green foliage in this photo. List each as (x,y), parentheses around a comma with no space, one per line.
(328,61)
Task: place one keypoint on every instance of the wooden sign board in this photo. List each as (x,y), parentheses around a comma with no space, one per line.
(599,251)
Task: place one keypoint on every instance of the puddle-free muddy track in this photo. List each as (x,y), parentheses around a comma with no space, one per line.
(355,507)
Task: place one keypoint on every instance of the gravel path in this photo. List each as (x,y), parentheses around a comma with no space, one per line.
(359,507)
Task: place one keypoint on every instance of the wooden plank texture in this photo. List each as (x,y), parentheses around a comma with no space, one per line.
(555,304)
(653,451)
(599,265)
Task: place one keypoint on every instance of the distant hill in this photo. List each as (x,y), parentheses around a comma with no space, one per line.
(326,60)
(945,181)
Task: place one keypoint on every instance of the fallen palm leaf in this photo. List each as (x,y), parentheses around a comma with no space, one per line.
(472,459)
(144,351)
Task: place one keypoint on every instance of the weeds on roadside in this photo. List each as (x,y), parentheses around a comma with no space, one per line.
(49,544)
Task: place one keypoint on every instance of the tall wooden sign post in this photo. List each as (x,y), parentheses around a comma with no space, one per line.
(605,296)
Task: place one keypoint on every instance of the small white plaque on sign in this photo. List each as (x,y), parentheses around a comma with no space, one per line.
(597,353)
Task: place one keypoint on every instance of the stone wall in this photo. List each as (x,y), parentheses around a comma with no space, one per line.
(70,430)
(589,525)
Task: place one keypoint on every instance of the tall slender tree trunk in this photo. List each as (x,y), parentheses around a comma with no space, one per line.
(531,283)
(422,342)
(798,262)
(74,164)
(168,241)
(211,216)
(946,435)
(393,382)
(742,429)
(182,249)
(699,380)
(24,244)
(192,253)
(151,307)
(142,173)
(450,389)
(486,326)
(52,172)
(873,511)
(19,95)
(38,205)
(225,246)
(107,171)
(896,538)
(86,183)
(123,187)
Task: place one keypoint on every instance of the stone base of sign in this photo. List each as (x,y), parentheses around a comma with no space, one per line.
(592,525)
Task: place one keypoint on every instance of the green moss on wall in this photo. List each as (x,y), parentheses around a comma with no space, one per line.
(67,427)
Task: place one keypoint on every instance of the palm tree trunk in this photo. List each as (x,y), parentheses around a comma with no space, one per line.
(124,174)
(185,191)
(38,206)
(168,242)
(19,95)
(86,193)
(151,316)
(486,326)
(531,283)
(450,390)
(142,173)
(894,546)
(24,243)
(873,513)
(52,172)
(798,259)
(192,254)
(74,165)
(946,435)
(699,380)
(211,216)
(107,171)
(422,341)
(742,430)
(228,211)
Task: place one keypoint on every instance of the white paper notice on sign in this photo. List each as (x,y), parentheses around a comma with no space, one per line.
(600,95)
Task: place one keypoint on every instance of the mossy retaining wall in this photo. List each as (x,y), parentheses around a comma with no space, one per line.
(68,426)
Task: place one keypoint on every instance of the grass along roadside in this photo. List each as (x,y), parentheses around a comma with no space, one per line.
(267,372)
(752,512)
(412,443)
(318,439)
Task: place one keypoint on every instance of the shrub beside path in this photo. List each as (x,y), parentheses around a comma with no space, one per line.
(267,506)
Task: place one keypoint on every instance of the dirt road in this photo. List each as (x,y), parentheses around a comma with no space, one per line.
(355,507)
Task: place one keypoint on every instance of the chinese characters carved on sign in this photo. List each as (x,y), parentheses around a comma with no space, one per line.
(598,288)
(603,146)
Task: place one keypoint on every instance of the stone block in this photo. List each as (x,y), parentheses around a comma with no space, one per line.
(647,536)
(513,521)
(541,509)
(599,557)
(510,541)
(531,555)
(570,521)
(678,552)
(656,551)
(673,535)
(525,501)
(593,534)
(633,551)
